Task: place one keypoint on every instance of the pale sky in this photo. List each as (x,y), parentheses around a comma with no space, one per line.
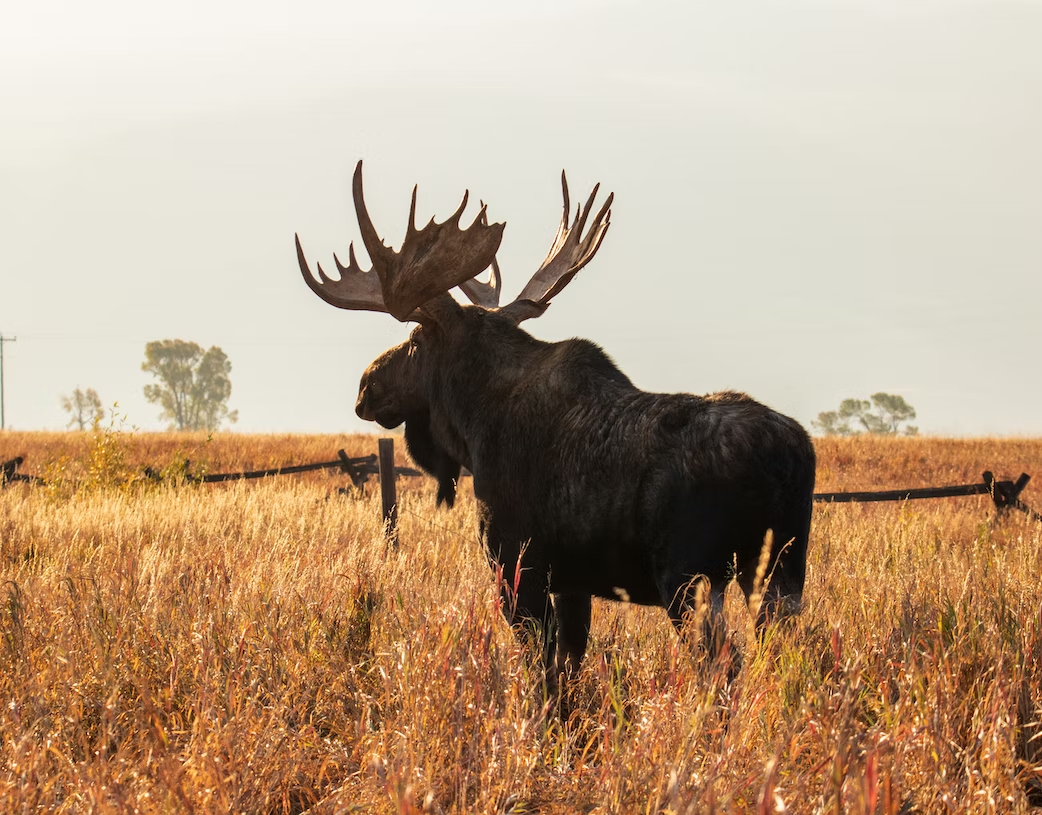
(815,199)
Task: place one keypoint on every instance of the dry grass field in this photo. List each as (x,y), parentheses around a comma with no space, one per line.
(256,647)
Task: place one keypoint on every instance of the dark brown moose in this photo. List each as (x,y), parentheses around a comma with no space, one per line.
(600,488)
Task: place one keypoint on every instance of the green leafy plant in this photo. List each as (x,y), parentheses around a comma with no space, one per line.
(105,464)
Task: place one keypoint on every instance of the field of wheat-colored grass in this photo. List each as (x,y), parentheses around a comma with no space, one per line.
(257,647)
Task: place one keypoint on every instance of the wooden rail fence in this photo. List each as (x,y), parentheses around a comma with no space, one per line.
(1005,494)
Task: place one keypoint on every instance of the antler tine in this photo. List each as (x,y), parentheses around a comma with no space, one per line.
(379,254)
(481,294)
(458,214)
(431,261)
(570,251)
(351,260)
(354,290)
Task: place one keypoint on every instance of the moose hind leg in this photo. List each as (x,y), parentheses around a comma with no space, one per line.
(694,563)
(789,521)
(702,601)
(782,596)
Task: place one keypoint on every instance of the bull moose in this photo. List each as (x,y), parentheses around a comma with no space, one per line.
(599,488)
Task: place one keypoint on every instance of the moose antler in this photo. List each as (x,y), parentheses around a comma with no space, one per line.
(481,294)
(431,261)
(568,254)
(570,250)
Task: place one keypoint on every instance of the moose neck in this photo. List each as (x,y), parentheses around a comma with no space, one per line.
(476,397)
(503,379)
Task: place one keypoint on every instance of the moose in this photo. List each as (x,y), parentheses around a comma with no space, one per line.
(587,484)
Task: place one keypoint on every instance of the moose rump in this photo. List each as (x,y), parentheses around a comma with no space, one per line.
(587,484)
(658,505)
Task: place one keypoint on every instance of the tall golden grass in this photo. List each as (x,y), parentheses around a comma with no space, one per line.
(257,647)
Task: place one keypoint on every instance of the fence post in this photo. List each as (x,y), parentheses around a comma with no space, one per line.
(387,489)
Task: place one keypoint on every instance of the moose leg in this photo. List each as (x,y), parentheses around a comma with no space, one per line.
(784,596)
(528,609)
(786,572)
(525,596)
(526,606)
(572,613)
(692,599)
(693,564)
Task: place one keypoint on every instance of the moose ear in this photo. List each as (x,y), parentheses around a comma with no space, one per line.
(439,312)
(521,310)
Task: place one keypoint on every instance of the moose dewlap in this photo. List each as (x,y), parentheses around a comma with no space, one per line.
(599,488)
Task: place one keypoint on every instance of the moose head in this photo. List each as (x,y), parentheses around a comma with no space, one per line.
(411,382)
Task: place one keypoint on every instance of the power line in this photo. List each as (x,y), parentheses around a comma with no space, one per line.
(3,339)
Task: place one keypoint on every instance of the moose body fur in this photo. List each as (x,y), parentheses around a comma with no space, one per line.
(600,488)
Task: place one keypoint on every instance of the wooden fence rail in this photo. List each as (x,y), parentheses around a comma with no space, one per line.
(357,469)
(1004,494)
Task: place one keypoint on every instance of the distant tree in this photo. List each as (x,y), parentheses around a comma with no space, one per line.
(193,387)
(893,411)
(83,407)
(830,423)
(884,415)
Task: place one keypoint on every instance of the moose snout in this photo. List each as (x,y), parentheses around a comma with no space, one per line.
(372,399)
(363,407)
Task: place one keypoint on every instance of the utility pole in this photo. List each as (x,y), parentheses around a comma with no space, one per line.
(3,339)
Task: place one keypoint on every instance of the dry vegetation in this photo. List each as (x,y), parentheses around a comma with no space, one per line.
(255,647)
